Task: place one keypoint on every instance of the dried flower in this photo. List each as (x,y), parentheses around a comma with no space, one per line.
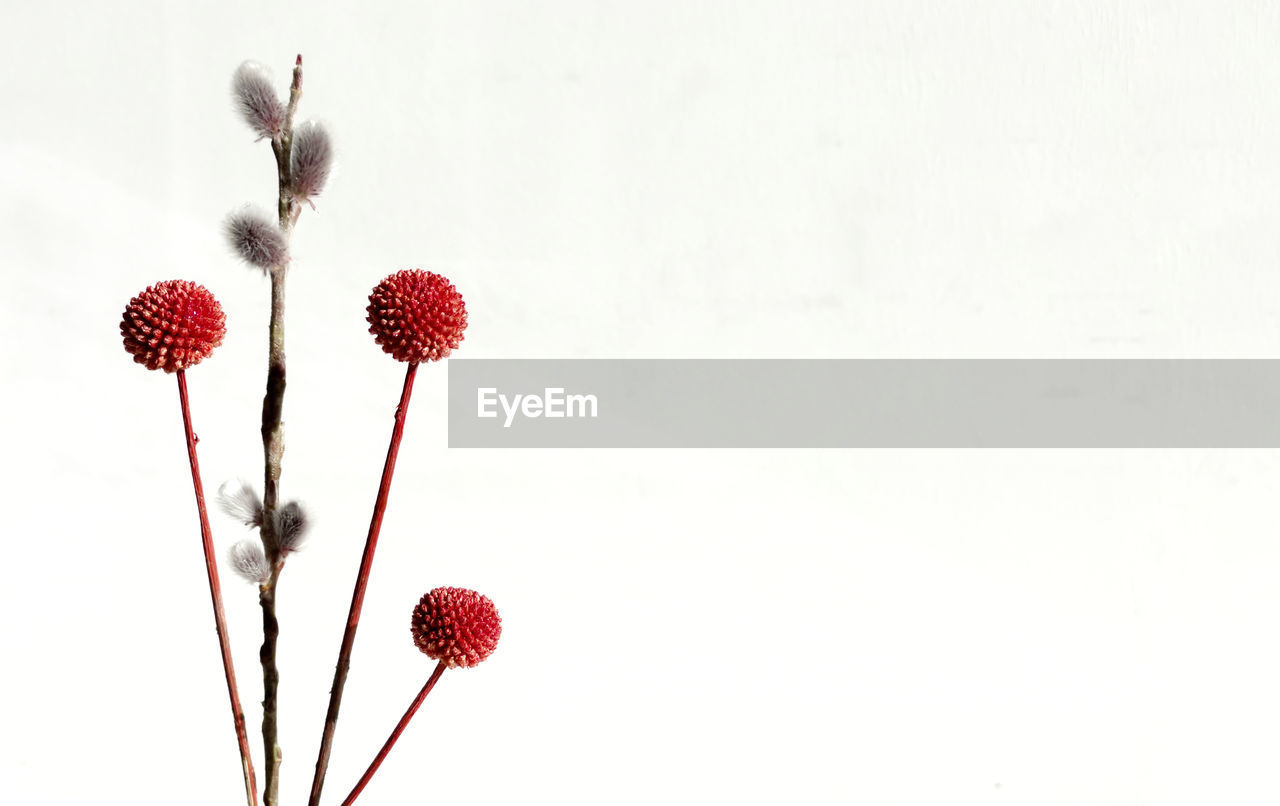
(173,325)
(257,100)
(241,502)
(310,158)
(456,626)
(248,560)
(417,316)
(292,525)
(256,239)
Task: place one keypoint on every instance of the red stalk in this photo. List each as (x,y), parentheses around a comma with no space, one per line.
(395,734)
(215,592)
(357,597)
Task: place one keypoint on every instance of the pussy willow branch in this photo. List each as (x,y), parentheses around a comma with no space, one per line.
(273,451)
(215,592)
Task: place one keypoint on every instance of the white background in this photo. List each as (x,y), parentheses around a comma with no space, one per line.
(663,179)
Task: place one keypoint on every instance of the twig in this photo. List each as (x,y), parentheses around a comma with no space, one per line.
(395,734)
(273,451)
(357,597)
(215,593)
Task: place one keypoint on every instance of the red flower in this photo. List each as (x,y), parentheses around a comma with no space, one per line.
(456,626)
(172,325)
(417,316)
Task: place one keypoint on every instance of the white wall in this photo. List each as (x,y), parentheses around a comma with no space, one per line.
(716,179)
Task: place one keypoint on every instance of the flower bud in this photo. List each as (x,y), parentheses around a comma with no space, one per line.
(257,100)
(248,560)
(256,239)
(310,159)
(240,502)
(292,525)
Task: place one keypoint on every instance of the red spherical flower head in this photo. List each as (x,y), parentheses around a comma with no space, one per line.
(457,626)
(417,316)
(173,325)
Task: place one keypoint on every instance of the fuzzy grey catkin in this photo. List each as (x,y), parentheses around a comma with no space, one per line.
(256,239)
(310,159)
(292,525)
(249,561)
(257,100)
(240,502)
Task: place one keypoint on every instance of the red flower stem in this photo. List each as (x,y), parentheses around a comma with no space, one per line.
(215,592)
(357,597)
(395,734)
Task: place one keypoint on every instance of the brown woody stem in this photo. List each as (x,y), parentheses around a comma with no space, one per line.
(273,452)
(395,734)
(357,597)
(215,593)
